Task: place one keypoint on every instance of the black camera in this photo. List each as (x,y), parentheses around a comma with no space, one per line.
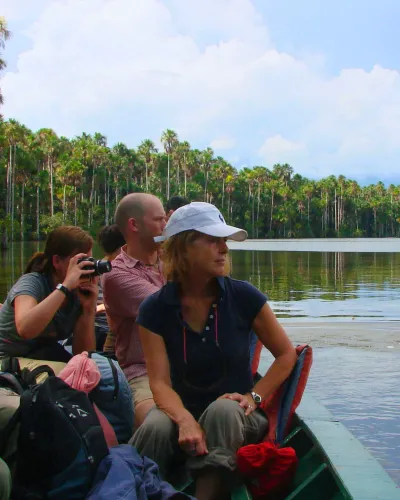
(99,266)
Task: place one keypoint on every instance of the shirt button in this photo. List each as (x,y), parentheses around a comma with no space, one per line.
(203,339)
(211,316)
(207,327)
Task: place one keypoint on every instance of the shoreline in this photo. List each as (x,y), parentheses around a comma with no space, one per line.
(341,245)
(383,336)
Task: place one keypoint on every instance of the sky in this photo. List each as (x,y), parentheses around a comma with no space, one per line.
(312,83)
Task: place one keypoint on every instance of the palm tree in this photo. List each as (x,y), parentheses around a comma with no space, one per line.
(4,36)
(145,150)
(261,175)
(272,186)
(15,135)
(207,158)
(48,141)
(308,190)
(222,170)
(169,138)
(184,149)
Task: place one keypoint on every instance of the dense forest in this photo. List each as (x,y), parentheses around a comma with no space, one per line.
(47,180)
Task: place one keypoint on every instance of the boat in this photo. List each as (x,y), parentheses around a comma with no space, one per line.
(333,464)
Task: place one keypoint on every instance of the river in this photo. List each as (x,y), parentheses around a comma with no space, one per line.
(346,305)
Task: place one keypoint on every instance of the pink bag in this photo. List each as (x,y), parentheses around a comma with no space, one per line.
(82,374)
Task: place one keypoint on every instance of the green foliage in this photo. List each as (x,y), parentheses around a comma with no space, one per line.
(46,180)
(48,222)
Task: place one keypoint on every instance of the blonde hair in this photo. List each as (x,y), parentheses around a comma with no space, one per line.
(174,256)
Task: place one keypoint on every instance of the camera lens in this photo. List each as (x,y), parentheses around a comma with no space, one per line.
(103,266)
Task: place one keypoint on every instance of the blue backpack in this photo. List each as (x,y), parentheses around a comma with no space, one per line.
(113,396)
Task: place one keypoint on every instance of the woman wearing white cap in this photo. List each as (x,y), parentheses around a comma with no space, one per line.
(195,334)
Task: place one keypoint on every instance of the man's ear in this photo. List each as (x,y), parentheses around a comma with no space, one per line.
(170,213)
(133,225)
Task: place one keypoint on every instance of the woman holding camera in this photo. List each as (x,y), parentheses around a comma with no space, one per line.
(53,299)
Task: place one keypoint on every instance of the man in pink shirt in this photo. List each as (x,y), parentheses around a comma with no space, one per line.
(135,275)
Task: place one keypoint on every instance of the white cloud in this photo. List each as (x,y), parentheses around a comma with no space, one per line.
(277,147)
(223,142)
(131,68)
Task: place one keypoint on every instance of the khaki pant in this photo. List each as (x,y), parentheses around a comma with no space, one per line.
(226,427)
(140,388)
(5,481)
(57,366)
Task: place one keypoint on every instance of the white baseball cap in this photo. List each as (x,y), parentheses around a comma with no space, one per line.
(202,217)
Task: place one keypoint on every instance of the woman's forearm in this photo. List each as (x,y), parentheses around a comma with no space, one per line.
(36,319)
(277,373)
(169,402)
(84,338)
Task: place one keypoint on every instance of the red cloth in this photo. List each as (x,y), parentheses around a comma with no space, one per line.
(269,469)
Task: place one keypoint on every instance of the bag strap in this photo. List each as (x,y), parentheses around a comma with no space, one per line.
(11,365)
(105,354)
(11,381)
(29,377)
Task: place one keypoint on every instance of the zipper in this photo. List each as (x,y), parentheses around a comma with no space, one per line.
(78,374)
(115,377)
(114,372)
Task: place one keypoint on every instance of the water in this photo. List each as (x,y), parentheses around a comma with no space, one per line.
(357,380)
(312,286)
(359,384)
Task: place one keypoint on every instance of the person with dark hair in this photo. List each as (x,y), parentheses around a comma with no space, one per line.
(111,240)
(174,203)
(53,299)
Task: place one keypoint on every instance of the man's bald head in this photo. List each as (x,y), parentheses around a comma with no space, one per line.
(134,206)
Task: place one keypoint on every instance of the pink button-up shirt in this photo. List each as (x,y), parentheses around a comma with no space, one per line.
(125,288)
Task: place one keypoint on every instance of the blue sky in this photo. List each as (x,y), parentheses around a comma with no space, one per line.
(315,84)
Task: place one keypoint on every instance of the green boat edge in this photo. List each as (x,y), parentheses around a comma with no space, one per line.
(333,464)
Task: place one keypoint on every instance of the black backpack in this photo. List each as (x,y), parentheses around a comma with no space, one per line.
(12,377)
(60,443)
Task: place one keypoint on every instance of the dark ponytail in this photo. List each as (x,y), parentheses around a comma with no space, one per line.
(37,263)
(64,241)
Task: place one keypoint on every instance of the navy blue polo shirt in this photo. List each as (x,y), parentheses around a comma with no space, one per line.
(218,358)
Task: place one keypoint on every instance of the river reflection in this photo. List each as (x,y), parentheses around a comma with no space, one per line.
(312,285)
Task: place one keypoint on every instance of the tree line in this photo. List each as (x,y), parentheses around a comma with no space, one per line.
(47,180)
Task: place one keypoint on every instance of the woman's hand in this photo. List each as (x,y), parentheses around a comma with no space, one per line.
(88,291)
(192,438)
(75,271)
(245,401)
(100,309)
